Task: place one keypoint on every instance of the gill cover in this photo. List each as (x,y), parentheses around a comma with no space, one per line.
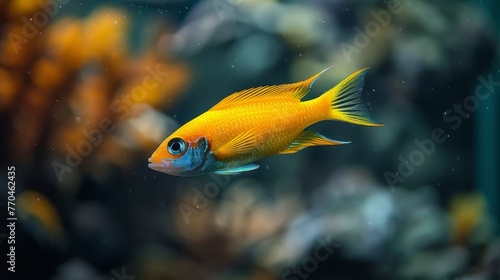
(193,159)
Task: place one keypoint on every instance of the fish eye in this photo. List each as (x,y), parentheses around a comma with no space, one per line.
(176,146)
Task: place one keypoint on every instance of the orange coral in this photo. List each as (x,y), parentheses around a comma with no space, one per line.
(61,84)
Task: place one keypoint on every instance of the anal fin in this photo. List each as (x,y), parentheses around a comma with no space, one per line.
(310,138)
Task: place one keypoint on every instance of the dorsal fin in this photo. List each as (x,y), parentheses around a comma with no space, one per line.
(295,90)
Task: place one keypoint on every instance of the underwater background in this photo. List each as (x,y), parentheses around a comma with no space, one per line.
(88,90)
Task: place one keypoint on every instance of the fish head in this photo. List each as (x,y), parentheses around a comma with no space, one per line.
(180,156)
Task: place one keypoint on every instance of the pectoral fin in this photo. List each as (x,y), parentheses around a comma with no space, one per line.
(237,170)
(310,138)
(241,144)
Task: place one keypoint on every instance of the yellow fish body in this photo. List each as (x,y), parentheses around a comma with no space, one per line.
(259,122)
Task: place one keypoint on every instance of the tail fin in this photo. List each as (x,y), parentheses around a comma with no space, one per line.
(345,101)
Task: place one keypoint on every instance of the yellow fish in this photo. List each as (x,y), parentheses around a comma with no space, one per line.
(255,123)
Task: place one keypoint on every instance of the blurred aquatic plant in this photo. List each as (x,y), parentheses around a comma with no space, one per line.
(37,213)
(362,229)
(74,88)
(467,212)
(75,101)
(224,240)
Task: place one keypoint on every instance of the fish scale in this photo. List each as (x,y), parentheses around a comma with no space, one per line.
(284,122)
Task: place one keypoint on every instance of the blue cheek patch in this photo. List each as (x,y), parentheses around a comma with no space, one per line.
(194,157)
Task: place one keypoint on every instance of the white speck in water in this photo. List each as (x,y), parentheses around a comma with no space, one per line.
(115,22)
(232,65)
(78,120)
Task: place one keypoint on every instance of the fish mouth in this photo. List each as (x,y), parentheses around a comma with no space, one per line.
(160,166)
